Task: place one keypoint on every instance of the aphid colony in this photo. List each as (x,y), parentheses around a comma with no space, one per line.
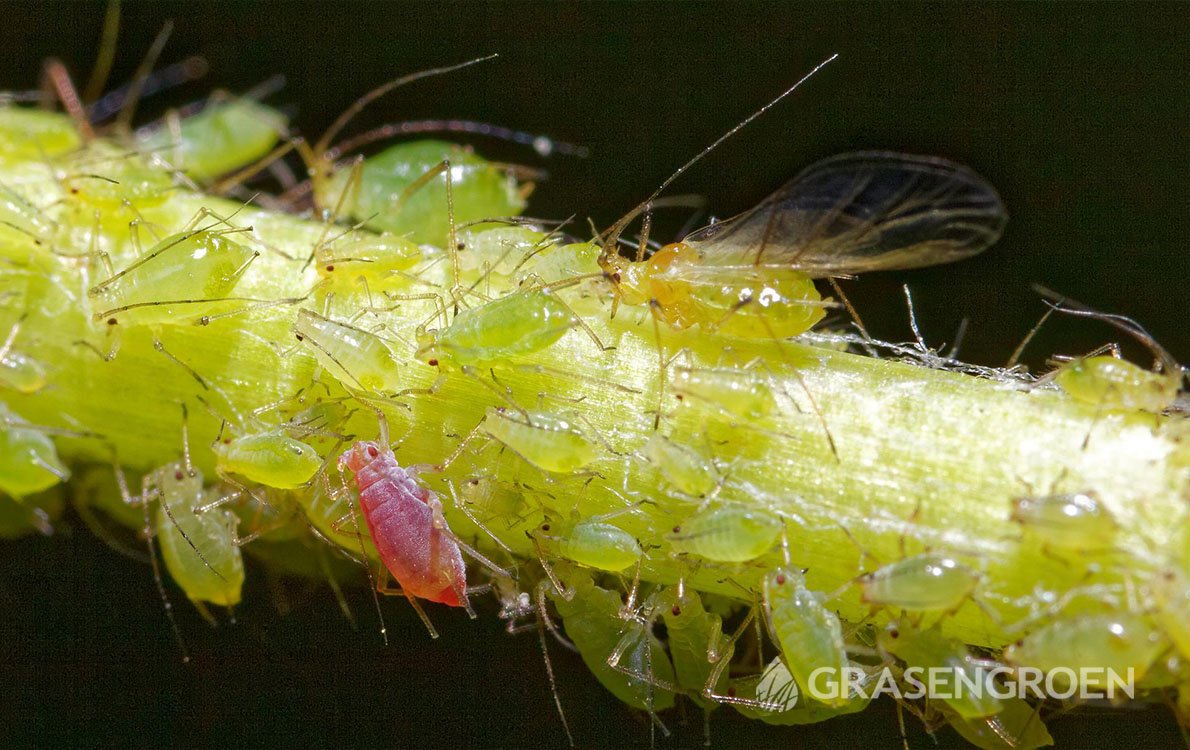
(415,291)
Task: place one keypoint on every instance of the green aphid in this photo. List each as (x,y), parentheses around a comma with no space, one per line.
(1016,727)
(511,326)
(379,259)
(357,358)
(28,134)
(198,545)
(687,470)
(922,583)
(809,633)
(727,533)
(223,137)
(29,461)
(968,681)
(549,442)
(479,190)
(593,624)
(1102,644)
(102,176)
(593,543)
(1109,383)
(176,282)
(696,642)
(24,228)
(743,394)
(774,698)
(1077,522)
(272,459)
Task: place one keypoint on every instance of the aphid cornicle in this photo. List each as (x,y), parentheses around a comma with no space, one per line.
(405,522)
(175,282)
(198,546)
(751,276)
(921,583)
(727,533)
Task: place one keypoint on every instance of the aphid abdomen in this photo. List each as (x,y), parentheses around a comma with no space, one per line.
(810,635)
(28,134)
(424,561)
(271,459)
(512,326)
(742,301)
(743,394)
(727,534)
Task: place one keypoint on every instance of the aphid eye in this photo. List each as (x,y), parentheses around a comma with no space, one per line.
(330,268)
(678,396)
(178,476)
(677,529)
(781,579)
(227,441)
(676,610)
(545,527)
(372,452)
(432,363)
(461,246)
(299,337)
(111,321)
(731,691)
(616,277)
(894,633)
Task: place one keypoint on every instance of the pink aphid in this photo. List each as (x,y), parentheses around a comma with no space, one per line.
(407,526)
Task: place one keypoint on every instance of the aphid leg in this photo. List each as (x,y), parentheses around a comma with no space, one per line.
(364,556)
(1020,349)
(462,508)
(542,618)
(708,690)
(563,591)
(147,530)
(336,589)
(387,590)
(124,121)
(238,178)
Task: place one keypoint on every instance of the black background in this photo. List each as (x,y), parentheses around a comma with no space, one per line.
(1078,113)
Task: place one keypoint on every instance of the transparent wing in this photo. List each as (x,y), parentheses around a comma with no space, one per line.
(866,211)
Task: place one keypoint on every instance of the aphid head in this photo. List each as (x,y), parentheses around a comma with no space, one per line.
(629,280)
(427,345)
(361,454)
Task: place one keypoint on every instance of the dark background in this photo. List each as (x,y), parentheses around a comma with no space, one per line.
(1078,113)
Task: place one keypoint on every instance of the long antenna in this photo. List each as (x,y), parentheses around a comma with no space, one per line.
(359,104)
(618,227)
